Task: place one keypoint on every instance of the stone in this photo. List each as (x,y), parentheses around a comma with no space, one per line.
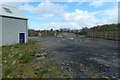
(71,38)
(63,39)
(13,62)
(44,54)
(54,51)
(67,64)
(61,68)
(38,55)
(43,62)
(71,62)
(40,58)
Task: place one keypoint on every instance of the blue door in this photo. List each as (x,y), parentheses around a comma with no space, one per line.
(21,37)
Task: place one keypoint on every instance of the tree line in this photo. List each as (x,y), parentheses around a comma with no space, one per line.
(107,31)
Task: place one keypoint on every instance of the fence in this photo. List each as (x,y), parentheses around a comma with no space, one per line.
(105,35)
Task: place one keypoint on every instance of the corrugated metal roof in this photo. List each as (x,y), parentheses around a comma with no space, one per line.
(9,11)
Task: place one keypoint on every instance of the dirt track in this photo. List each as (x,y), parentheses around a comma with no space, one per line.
(83,57)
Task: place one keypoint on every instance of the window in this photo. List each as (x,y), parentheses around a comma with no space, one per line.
(7,10)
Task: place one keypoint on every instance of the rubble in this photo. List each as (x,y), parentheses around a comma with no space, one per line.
(71,38)
(40,58)
(13,62)
(39,55)
(71,62)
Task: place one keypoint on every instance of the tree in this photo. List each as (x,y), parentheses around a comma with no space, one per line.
(84,31)
(51,30)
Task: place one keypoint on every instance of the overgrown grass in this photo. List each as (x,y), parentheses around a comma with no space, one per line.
(41,72)
(19,62)
(7,71)
(25,59)
(14,55)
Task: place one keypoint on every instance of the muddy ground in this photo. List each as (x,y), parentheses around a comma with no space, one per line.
(82,57)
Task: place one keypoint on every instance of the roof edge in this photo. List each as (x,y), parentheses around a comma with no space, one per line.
(15,13)
(13,17)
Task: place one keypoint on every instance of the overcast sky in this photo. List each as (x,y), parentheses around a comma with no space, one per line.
(74,15)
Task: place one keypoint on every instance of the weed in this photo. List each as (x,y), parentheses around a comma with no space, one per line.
(7,71)
(42,71)
(25,58)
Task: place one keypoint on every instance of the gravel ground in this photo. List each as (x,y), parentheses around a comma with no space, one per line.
(83,57)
